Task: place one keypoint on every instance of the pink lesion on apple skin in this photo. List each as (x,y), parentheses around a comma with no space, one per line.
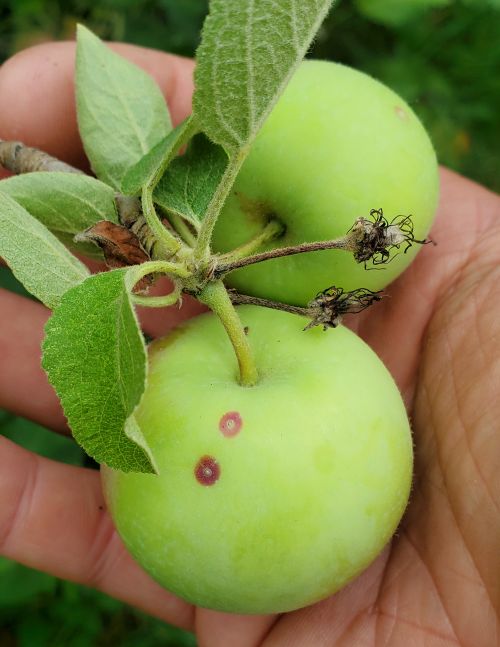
(207,470)
(230,424)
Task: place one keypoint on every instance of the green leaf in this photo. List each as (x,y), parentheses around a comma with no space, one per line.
(248,52)
(66,203)
(121,111)
(36,257)
(95,357)
(144,171)
(190,181)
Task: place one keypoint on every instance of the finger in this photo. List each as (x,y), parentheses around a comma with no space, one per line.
(214,628)
(53,518)
(24,388)
(37,94)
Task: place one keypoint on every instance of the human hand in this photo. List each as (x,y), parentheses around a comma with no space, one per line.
(438,334)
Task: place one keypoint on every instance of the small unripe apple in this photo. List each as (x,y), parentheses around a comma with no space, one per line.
(336,145)
(270,497)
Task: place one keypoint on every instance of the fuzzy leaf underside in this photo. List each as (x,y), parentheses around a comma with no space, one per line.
(65,203)
(121,111)
(143,171)
(191,180)
(248,52)
(95,358)
(36,257)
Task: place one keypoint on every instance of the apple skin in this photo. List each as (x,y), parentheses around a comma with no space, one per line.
(336,145)
(314,462)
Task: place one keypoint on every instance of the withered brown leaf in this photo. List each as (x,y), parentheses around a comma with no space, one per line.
(120,246)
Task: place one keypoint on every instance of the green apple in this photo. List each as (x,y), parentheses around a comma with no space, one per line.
(336,145)
(270,497)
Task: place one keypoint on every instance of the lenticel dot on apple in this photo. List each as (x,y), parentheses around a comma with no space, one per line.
(401,113)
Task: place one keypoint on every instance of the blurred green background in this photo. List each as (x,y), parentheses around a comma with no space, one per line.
(442,56)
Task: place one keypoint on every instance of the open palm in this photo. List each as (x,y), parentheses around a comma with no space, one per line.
(438,331)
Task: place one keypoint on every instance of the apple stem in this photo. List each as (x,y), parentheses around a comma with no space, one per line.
(165,300)
(246,299)
(272,230)
(173,270)
(216,297)
(345,243)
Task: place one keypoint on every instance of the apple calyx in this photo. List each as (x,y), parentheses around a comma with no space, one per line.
(330,305)
(326,309)
(376,236)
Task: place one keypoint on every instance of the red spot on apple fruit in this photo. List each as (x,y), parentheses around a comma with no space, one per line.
(207,470)
(230,423)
